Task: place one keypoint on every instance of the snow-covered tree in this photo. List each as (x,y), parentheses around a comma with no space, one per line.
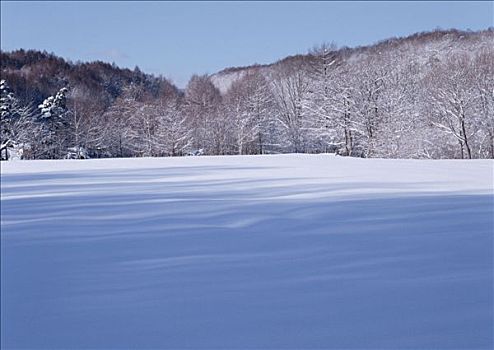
(369,99)
(483,77)
(247,105)
(16,123)
(173,135)
(452,98)
(397,135)
(259,104)
(86,127)
(330,103)
(121,136)
(53,119)
(203,101)
(290,86)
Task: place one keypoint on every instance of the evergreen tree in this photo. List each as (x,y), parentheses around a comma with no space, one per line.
(54,123)
(15,127)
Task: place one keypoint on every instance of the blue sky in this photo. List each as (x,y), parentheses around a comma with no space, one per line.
(177,39)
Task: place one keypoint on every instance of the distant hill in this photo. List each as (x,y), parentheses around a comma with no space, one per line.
(422,47)
(35,75)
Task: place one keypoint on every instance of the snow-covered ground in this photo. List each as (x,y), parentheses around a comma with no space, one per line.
(286,251)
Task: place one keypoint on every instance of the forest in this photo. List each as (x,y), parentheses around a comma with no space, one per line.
(428,95)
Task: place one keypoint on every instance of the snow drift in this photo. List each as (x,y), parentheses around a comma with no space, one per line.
(288,251)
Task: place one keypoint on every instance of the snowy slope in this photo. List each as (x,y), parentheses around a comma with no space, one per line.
(285,251)
(224,80)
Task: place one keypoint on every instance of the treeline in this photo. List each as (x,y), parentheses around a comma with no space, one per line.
(430,95)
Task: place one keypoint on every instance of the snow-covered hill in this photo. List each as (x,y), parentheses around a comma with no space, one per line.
(223,80)
(421,48)
(285,251)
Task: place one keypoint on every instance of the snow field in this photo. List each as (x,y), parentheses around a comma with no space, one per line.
(283,251)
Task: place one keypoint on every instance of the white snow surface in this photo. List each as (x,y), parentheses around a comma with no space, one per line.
(223,81)
(282,251)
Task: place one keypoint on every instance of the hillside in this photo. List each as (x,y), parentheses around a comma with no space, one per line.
(422,47)
(285,251)
(35,75)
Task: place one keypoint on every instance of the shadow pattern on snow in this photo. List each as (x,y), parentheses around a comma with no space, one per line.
(139,261)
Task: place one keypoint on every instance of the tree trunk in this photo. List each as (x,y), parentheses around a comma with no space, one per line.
(259,137)
(463,130)
(461,149)
(120,146)
(240,148)
(491,138)
(348,142)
